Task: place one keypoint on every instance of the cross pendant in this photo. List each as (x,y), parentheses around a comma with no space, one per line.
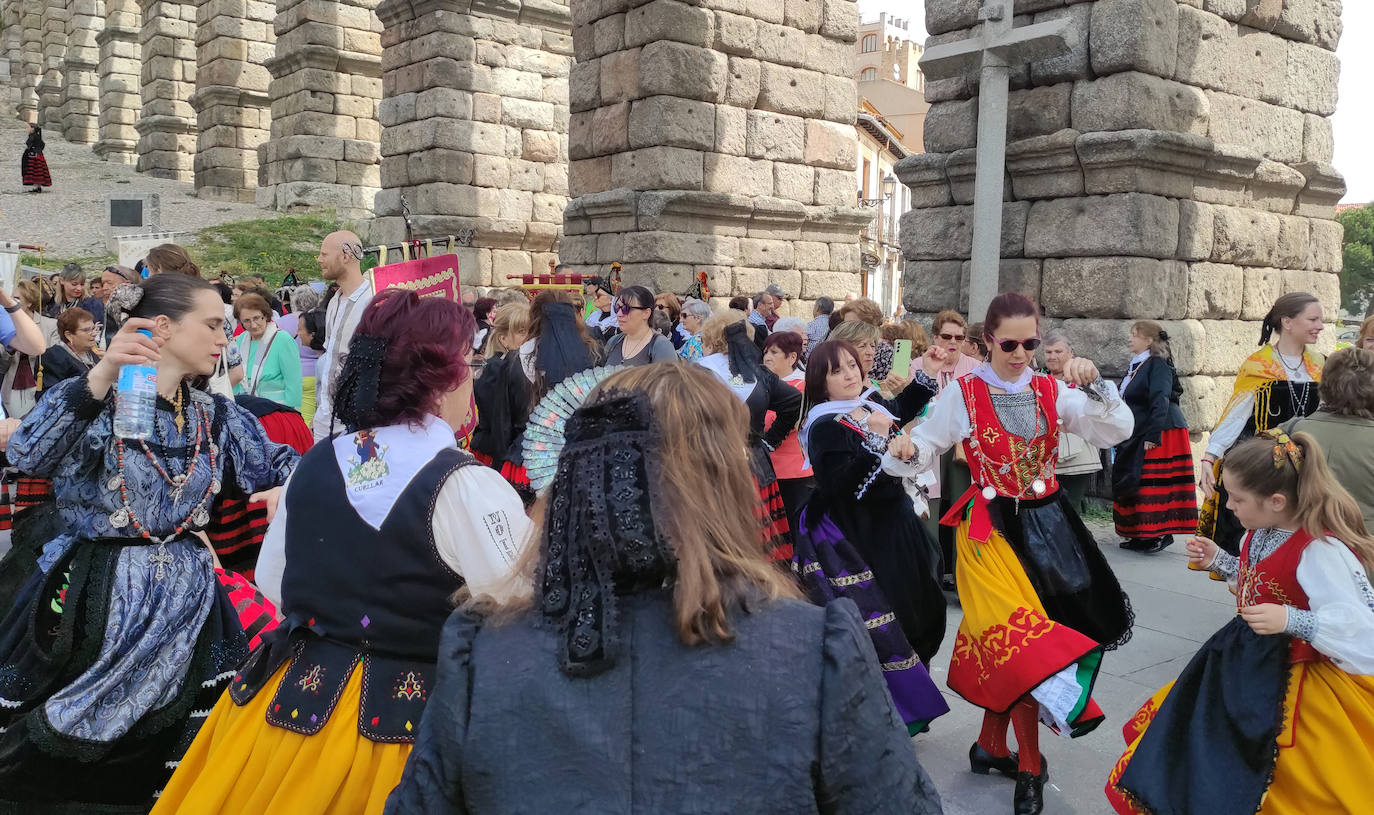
(160,559)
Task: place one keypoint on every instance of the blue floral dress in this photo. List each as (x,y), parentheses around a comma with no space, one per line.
(114,650)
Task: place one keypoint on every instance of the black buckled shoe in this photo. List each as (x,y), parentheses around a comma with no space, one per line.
(1029,798)
(1158,545)
(981,762)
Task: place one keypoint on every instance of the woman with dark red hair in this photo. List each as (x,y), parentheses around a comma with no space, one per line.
(375,532)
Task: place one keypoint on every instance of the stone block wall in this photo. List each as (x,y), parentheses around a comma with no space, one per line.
(11,40)
(54,27)
(475,129)
(30,71)
(121,85)
(1174,166)
(167,129)
(326,82)
(80,82)
(234,42)
(718,136)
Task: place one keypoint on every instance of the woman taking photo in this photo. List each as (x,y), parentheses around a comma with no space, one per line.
(103,659)
(781,356)
(1154,497)
(1277,383)
(1040,602)
(678,599)
(860,524)
(391,503)
(75,355)
(637,343)
(733,357)
(271,359)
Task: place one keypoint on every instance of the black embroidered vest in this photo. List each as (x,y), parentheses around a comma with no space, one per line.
(353,594)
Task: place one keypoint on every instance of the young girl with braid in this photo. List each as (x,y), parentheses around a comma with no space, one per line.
(1276,713)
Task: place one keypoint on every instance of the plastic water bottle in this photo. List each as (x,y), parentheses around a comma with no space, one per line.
(136,400)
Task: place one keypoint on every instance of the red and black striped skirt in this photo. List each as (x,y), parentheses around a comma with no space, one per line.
(1166,503)
(34,170)
(772,516)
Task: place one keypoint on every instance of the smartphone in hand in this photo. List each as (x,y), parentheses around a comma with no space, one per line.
(901,357)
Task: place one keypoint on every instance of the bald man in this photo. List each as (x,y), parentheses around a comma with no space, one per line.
(340,262)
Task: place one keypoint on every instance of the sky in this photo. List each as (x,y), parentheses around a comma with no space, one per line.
(1354,119)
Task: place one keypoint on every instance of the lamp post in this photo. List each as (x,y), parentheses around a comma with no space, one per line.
(889,188)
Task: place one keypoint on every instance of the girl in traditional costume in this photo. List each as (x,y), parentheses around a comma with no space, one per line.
(732,356)
(1275,714)
(1277,383)
(1040,602)
(33,167)
(114,652)
(375,532)
(1154,496)
(859,536)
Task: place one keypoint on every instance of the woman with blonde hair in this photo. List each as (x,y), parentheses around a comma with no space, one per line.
(732,355)
(501,390)
(656,626)
(865,310)
(1278,705)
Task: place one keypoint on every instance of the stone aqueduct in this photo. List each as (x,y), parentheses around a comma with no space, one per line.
(672,136)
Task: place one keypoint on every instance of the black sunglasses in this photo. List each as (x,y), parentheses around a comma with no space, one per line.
(1009,346)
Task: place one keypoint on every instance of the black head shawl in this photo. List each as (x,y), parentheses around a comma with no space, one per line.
(355,397)
(743,354)
(561,351)
(600,540)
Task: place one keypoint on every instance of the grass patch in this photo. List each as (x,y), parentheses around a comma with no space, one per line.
(53,263)
(269,247)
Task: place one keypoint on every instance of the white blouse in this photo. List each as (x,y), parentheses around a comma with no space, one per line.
(1338,593)
(1104,423)
(1233,423)
(480,529)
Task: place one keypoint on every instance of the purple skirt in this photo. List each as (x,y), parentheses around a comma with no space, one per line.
(829,567)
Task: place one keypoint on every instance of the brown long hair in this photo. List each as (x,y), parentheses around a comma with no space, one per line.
(1321,506)
(710,520)
(169,258)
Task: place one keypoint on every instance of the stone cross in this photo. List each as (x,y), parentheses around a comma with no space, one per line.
(992,51)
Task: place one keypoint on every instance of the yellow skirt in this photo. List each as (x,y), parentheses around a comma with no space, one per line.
(1007,645)
(1326,748)
(241,764)
(308,399)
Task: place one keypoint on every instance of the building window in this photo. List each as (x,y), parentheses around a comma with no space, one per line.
(870,43)
(868,75)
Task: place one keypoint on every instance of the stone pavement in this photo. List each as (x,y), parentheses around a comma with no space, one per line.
(68,218)
(1175,611)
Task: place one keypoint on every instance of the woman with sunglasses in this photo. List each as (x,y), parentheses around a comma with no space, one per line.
(1040,602)
(637,343)
(601,318)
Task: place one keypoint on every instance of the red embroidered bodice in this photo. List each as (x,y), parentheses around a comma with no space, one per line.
(1275,580)
(1002,460)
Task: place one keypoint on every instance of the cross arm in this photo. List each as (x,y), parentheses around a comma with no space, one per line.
(1018,46)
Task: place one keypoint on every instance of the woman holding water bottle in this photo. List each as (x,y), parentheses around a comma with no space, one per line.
(114,651)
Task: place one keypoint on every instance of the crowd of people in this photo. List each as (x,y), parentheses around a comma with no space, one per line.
(385,553)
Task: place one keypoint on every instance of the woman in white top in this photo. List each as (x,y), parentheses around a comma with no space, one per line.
(1277,383)
(375,532)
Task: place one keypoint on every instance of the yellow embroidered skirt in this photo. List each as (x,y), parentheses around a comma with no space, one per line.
(241,764)
(1325,747)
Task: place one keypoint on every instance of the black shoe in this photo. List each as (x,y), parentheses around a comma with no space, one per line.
(1158,545)
(1138,544)
(981,762)
(1029,798)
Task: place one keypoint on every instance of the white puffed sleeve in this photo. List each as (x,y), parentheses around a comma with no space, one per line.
(1342,606)
(481,529)
(272,556)
(946,425)
(1105,421)
(1231,426)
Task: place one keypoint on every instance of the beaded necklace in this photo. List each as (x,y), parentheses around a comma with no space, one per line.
(199,515)
(1023,462)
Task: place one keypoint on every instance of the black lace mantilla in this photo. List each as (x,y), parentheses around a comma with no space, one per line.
(600,540)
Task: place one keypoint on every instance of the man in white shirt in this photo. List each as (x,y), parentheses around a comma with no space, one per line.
(340,261)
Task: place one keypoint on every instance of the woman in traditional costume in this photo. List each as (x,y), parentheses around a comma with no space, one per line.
(859,536)
(661,665)
(732,356)
(1275,714)
(782,353)
(1040,602)
(113,654)
(1277,383)
(375,532)
(33,167)
(1153,493)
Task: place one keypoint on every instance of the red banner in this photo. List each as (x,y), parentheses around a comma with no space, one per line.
(427,277)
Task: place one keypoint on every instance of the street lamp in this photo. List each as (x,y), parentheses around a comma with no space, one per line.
(889,186)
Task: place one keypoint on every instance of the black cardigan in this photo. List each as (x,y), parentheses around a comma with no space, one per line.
(1153,397)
